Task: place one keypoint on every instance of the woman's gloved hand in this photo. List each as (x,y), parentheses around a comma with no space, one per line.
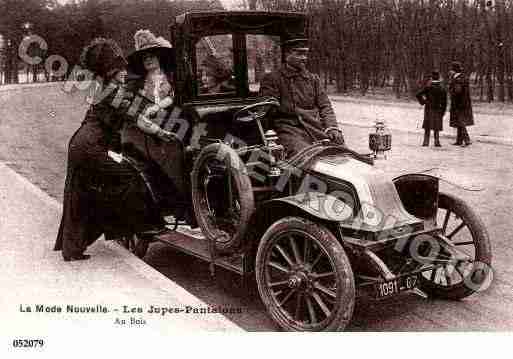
(166,136)
(335,135)
(151,128)
(151,111)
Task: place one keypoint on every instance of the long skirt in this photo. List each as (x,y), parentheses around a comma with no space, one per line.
(101,196)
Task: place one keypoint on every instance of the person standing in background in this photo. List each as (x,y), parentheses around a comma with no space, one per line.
(434,99)
(461,105)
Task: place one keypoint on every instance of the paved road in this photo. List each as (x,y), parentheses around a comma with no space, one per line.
(35,126)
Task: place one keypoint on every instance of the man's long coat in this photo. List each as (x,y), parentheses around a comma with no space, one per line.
(300,93)
(434,99)
(461,105)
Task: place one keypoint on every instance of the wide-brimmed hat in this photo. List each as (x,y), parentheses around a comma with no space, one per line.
(102,56)
(146,42)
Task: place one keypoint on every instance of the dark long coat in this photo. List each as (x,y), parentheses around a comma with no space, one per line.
(461,104)
(169,156)
(434,98)
(101,196)
(299,93)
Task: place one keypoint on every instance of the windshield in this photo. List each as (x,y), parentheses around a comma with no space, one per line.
(233,66)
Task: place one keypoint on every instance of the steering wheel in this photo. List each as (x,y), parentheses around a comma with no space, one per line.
(256,111)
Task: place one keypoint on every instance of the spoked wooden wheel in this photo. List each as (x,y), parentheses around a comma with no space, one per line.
(464,257)
(304,277)
(222,196)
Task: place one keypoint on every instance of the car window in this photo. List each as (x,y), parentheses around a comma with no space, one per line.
(214,59)
(264,56)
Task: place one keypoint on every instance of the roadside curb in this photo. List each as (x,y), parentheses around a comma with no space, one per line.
(220,323)
(26,86)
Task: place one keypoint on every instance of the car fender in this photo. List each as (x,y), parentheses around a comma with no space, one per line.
(418,193)
(452,177)
(315,204)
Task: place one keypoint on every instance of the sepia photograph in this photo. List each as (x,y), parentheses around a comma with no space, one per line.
(241,166)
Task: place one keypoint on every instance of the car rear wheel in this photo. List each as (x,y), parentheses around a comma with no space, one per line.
(304,277)
(222,196)
(465,234)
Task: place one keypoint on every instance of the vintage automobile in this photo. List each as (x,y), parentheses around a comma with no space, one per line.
(317,230)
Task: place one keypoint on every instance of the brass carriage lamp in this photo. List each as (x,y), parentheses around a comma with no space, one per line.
(380,141)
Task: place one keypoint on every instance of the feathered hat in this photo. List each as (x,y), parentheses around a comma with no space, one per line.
(102,56)
(146,42)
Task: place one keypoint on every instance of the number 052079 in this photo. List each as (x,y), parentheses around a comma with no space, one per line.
(28,343)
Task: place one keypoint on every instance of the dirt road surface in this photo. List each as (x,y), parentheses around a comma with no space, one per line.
(36,124)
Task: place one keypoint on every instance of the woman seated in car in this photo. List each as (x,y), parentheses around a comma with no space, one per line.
(150,68)
(151,71)
(219,78)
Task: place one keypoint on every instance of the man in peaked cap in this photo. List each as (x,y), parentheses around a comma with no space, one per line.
(305,113)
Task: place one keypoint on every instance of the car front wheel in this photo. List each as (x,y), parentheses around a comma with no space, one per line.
(304,277)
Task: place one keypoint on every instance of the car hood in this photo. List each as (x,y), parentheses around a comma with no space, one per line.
(379,200)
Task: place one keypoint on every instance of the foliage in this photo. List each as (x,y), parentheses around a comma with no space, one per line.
(365,44)
(68,27)
(357,44)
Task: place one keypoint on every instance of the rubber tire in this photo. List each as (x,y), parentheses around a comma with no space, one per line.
(483,252)
(243,186)
(338,256)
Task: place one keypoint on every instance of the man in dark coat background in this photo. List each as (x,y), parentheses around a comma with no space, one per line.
(461,105)
(434,98)
(305,113)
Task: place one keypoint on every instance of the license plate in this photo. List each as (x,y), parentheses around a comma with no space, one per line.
(396,286)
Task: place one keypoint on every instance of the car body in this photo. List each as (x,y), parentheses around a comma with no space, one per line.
(317,230)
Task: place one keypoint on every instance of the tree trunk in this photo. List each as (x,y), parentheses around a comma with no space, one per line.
(500,78)
(15,73)
(34,73)
(489,84)
(8,63)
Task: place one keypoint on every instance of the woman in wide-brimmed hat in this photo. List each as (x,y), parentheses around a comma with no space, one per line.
(152,63)
(150,69)
(101,196)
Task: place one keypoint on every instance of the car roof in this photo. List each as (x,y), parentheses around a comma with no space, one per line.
(194,14)
(280,23)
